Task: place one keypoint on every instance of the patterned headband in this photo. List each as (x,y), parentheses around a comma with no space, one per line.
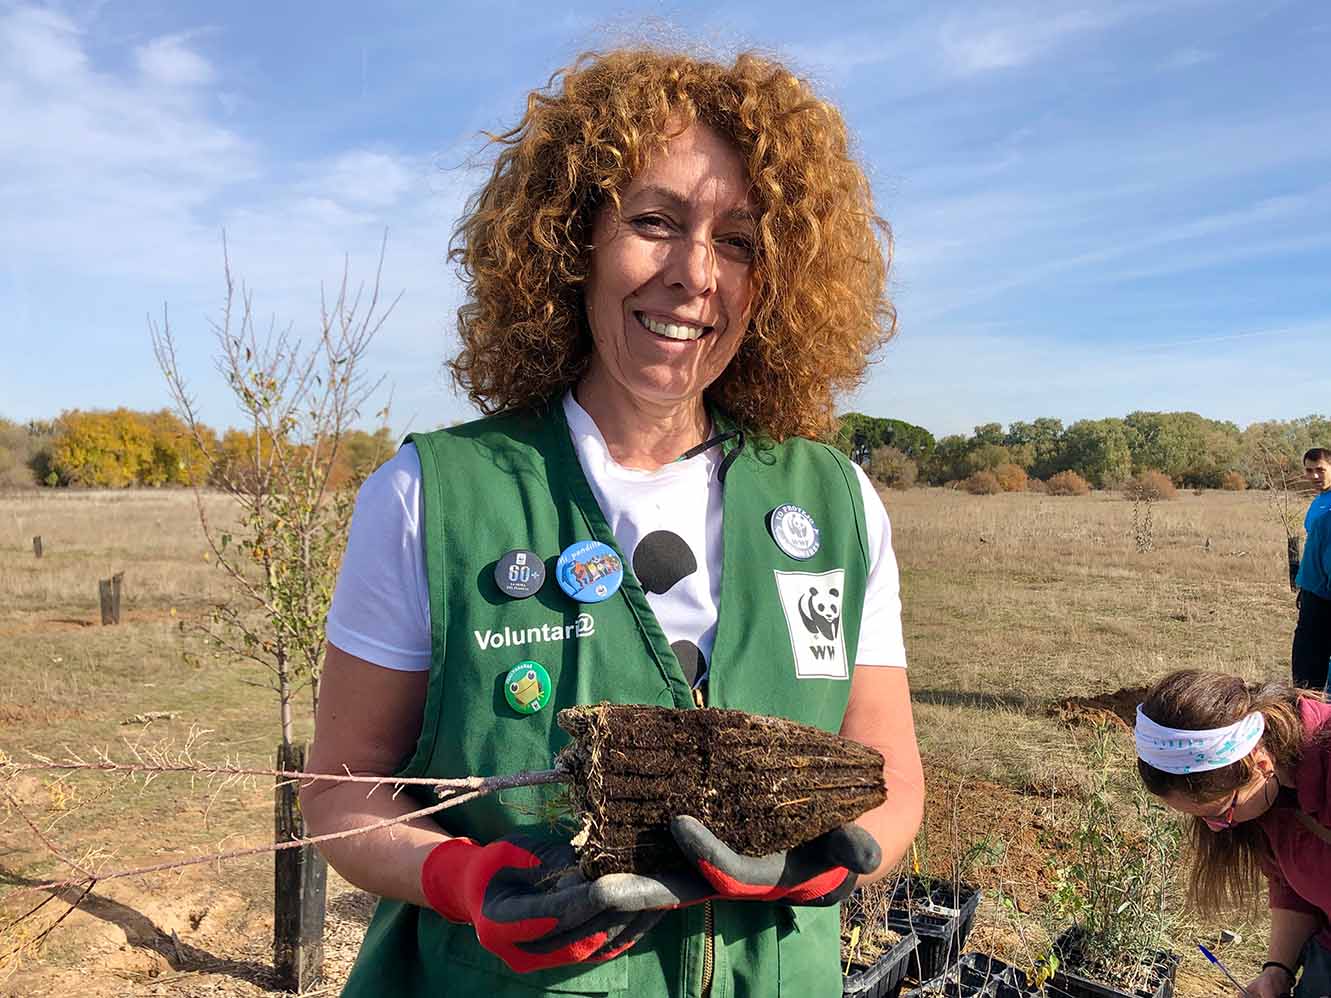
(1179,750)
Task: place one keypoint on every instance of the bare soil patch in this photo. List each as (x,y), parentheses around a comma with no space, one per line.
(1120,706)
(1001,840)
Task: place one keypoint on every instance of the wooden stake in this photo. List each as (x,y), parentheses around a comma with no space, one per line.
(37,545)
(104,594)
(116,582)
(300,886)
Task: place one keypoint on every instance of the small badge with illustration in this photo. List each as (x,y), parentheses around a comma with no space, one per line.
(527,687)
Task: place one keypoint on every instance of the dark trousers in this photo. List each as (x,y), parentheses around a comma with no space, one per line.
(1312,641)
(1315,981)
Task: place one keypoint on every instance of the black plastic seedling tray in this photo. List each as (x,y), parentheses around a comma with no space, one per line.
(940,913)
(1070,984)
(882,978)
(976,975)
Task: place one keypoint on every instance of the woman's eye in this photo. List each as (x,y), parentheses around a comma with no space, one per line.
(741,245)
(652,223)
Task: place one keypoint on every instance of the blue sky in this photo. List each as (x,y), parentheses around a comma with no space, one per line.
(1098,207)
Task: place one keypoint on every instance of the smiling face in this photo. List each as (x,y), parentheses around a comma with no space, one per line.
(671,276)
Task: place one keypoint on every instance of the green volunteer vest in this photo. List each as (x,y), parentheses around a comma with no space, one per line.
(514,481)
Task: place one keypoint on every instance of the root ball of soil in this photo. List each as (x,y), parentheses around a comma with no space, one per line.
(760,784)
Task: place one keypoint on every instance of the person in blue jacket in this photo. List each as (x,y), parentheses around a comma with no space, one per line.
(1312,635)
(1317,470)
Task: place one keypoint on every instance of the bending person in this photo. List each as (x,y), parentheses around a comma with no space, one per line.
(1252,765)
(671,271)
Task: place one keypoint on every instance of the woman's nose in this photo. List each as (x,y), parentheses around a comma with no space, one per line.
(692,266)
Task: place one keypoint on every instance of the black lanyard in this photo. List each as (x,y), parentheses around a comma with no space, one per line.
(720,438)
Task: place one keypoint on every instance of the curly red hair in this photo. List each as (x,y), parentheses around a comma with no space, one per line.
(820,305)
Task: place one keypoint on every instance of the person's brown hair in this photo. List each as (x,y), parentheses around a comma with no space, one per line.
(1315,454)
(820,303)
(1226,868)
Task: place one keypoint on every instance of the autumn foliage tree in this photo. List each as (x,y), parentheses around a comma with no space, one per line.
(121,447)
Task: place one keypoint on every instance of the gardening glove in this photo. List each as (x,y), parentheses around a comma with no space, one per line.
(531,906)
(818,873)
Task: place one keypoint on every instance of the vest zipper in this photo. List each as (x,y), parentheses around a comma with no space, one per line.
(708,916)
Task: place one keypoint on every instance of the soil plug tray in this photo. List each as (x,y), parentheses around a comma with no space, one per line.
(761,784)
(883,977)
(940,912)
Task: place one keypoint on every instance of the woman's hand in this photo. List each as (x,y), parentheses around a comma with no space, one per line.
(819,873)
(1270,983)
(530,905)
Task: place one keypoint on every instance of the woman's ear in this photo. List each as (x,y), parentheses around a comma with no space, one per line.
(1262,761)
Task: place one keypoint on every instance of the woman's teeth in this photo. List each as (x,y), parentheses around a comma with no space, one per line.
(671,330)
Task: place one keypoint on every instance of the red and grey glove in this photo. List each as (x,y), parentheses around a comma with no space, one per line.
(820,872)
(530,905)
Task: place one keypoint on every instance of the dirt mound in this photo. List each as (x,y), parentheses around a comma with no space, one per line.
(1120,705)
(760,784)
(999,839)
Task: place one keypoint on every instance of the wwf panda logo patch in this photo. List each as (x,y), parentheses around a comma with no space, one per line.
(821,611)
(812,604)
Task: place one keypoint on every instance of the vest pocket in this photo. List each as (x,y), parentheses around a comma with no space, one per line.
(474,970)
(808,956)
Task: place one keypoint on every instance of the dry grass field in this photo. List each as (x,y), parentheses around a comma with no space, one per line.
(1013,603)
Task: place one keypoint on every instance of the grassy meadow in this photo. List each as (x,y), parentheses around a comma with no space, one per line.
(1013,603)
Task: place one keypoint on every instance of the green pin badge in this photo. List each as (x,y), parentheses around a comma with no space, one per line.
(527,687)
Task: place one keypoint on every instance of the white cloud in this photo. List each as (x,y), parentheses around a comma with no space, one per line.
(1003,39)
(115,186)
(1186,58)
(171,62)
(366,178)
(40,46)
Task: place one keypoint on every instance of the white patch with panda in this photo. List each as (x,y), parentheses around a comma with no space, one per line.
(812,605)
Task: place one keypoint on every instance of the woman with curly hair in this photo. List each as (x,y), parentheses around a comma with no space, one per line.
(1251,763)
(673,269)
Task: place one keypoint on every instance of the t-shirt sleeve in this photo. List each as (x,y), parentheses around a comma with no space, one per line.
(1281,895)
(881,641)
(381,609)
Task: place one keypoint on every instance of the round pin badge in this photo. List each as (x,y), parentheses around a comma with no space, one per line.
(527,687)
(589,571)
(520,573)
(794,531)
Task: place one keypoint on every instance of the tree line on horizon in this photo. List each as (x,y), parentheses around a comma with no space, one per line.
(122,447)
(1190,450)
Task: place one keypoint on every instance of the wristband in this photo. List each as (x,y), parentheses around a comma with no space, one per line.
(1283,966)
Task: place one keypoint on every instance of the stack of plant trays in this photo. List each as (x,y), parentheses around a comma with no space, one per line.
(883,978)
(1068,983)
(976,975)
(940,912)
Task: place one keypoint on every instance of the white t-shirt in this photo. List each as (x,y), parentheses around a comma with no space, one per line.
(667,522)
